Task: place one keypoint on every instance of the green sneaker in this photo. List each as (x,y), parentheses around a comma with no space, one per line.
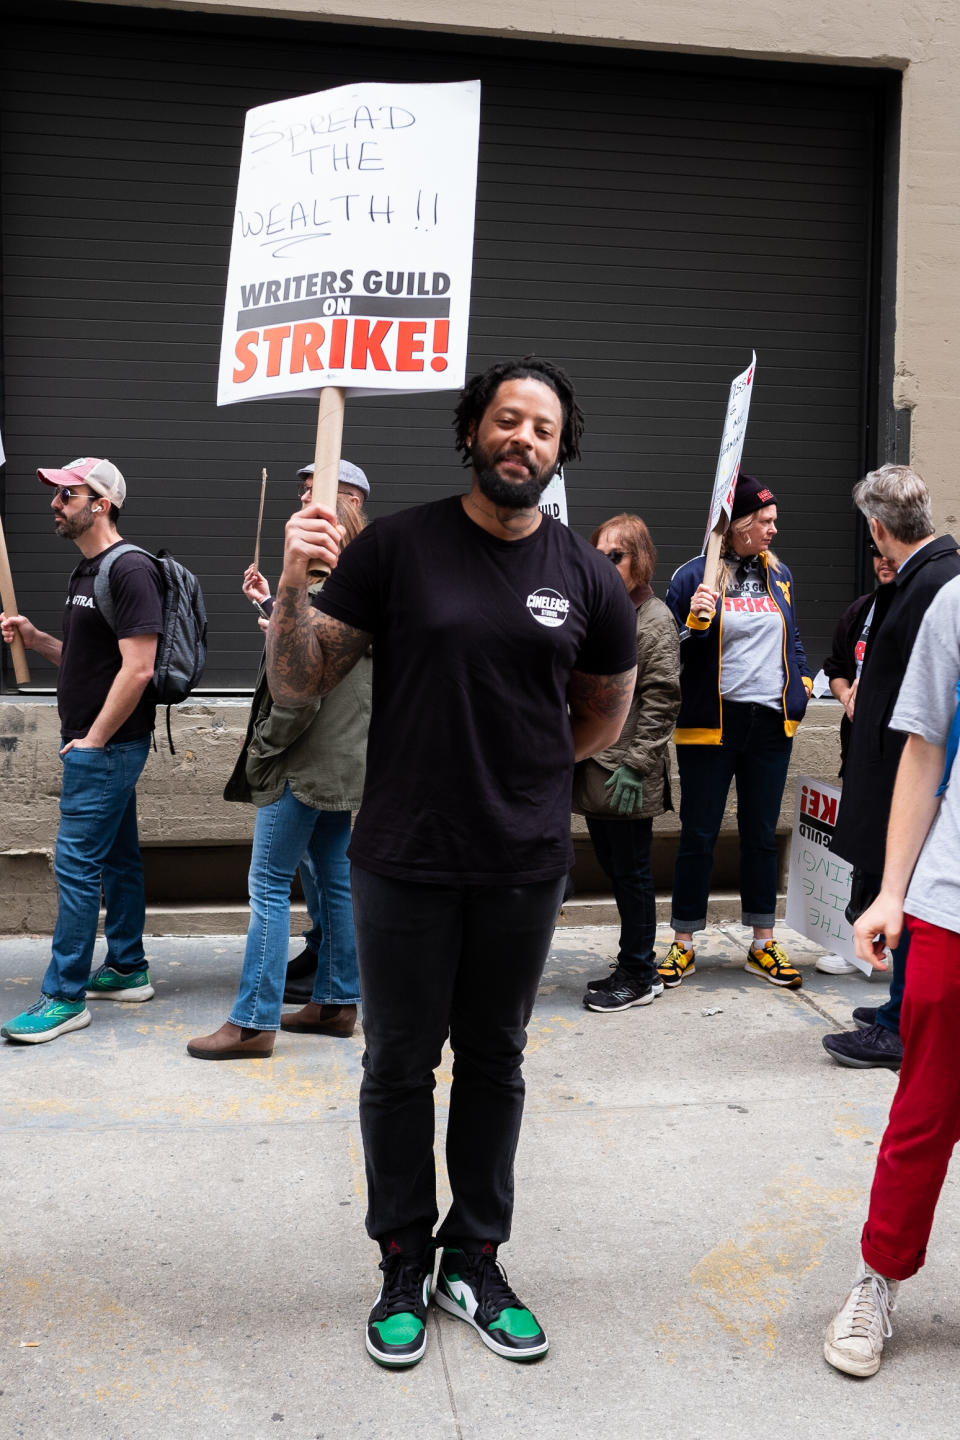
(46,1020)
(397,1325)
(109,984)
(473,1286)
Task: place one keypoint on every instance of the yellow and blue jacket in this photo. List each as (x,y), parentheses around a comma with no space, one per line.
(700,721)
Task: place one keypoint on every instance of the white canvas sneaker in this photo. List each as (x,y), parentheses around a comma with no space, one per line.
(855,1336)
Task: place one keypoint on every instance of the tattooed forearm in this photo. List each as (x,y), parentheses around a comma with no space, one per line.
(308,653)
(598,708)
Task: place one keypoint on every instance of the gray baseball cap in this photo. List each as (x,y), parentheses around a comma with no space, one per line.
(349,474)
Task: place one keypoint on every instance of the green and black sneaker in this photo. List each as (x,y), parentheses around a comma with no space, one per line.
(109,984)
(397,1326)
(473,1286)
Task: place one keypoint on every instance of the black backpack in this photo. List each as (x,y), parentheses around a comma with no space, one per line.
(182,643)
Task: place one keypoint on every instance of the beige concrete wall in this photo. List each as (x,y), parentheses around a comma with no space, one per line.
(919,37)
(180,800)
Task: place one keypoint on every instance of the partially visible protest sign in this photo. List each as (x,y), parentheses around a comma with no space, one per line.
(352,244)
(818,882)
(731,448)
(553,501)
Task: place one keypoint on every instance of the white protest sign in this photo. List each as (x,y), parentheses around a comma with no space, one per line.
(352,243)
(553,501)
(731,447)
(818,882)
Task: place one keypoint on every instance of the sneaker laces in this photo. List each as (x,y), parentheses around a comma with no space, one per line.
(490,1282)
(775,951)
(39,1006)
(403,1277)
(873,1301)
(676,954)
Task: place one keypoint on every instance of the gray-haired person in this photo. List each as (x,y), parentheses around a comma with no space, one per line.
(896,505)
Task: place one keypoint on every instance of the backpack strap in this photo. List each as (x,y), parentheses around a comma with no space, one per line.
(101,581)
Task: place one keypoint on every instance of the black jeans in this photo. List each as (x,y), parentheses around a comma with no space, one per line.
(437,960)
(756,751)
(622,847)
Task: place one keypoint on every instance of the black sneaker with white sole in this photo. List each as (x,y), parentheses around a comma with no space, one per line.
(864,1017)
(622,994)
(473,1286)
(397,1325)
(605,981)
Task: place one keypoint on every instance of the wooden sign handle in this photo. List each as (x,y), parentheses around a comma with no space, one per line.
(20,668)
(326,458)
(711,568)
(263,493)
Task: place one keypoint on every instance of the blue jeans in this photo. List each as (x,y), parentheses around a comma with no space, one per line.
(622,847)
(283,832)
(757,752)
(313,901)
(97,849)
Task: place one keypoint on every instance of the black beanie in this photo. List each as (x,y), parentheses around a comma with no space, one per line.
(750,495)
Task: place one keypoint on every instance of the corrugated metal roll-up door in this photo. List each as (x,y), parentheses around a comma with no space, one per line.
(643,221)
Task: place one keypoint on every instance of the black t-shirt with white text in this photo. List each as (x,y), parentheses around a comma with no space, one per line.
(91,657)
(470,755)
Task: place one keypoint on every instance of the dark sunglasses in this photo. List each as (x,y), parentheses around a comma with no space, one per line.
(874,551)
(615,556)
(66,494)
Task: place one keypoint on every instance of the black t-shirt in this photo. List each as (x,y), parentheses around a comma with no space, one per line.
(470,756)
(91,657)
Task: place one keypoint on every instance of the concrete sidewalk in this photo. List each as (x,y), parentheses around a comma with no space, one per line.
(184,1253)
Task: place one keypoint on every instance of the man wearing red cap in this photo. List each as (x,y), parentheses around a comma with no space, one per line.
(106,720)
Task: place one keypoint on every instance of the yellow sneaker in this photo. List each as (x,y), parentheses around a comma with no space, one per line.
(677,963)
(773,963)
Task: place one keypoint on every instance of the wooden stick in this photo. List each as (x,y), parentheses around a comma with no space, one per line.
(711,568)
(263,491)
(326,457)
(20,668)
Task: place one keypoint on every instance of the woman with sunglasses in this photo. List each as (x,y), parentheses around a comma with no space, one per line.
(620,790)
(303,769)
(745,685)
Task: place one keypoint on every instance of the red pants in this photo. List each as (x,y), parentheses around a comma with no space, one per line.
(924,1122)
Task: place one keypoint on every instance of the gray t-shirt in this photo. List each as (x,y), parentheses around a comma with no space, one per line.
(751,670)
(925,707)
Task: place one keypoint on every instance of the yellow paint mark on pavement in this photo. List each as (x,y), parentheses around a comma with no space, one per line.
(744,1285)
(849,1124)
(542,1028)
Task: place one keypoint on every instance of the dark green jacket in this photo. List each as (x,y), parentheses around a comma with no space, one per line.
(318,749)
(643,741)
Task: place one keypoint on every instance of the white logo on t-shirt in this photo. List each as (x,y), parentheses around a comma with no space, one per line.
(548,607)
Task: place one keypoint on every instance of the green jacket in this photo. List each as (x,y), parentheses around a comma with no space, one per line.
(319,749)
(643,741)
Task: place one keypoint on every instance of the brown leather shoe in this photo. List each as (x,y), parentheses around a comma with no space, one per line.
(339,1020)
(232,1043)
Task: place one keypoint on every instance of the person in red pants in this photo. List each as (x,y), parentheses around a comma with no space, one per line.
(921,888)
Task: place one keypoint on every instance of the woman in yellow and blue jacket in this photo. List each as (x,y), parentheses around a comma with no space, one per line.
(744,689)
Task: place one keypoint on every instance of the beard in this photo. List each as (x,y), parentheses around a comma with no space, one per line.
(509,494)
(71,527)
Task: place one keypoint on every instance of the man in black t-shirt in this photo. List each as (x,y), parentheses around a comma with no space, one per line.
(106,719)
(503,649)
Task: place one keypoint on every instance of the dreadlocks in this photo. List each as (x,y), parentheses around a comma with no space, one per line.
(478,393)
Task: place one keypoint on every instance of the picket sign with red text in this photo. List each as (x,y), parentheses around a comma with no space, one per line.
(553,501)
(352,246)
(818,882)
(731,447)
